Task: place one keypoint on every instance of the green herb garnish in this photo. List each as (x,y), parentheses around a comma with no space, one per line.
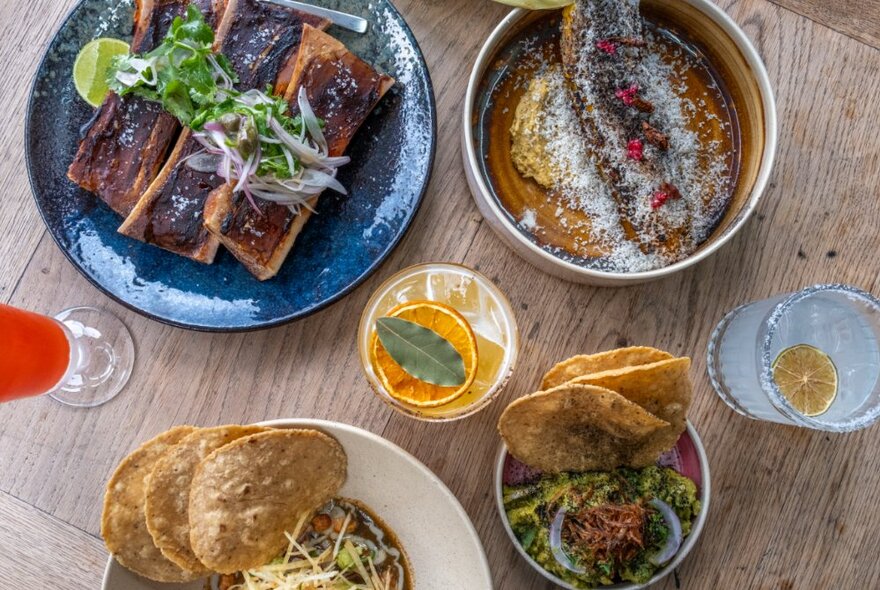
(183,73)
(421,352)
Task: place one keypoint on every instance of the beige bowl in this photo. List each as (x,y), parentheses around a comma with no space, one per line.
(416,504)
(738,63)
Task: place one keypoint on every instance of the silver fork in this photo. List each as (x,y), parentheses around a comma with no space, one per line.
(340,19)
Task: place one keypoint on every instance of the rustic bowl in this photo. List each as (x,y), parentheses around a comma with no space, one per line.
(688,457)
(741,67)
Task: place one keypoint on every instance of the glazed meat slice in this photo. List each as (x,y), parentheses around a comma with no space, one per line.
(604,57)
(342,90)
(128,139)
(259,39)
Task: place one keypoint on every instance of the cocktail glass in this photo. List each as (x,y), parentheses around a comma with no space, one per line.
(842,321)
(481,303)
(81,357)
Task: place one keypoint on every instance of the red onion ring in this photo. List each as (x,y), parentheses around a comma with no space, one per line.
(556,544)
(673,539)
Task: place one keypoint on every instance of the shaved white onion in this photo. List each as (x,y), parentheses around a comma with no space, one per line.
(142,67)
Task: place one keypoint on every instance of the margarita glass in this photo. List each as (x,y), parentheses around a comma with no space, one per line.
(840,321)
(484,307)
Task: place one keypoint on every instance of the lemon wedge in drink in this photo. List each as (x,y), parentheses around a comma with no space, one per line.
(537,4)
(807,378)
(92,66)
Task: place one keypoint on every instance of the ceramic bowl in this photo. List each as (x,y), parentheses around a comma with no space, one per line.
(688,458)
(740,66)
(413,502)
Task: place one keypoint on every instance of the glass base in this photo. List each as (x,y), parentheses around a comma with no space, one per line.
(102,354)
(714,365)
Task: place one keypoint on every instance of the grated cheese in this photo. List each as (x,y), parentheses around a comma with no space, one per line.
(697,163)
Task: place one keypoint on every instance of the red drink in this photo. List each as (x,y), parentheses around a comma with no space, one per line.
(34,353)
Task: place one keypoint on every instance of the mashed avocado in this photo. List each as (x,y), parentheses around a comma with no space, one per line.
(531,508)
(529,148)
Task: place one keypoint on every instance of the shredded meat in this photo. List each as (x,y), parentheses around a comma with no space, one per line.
(610,531)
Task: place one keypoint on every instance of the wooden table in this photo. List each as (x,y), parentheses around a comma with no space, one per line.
(790,508)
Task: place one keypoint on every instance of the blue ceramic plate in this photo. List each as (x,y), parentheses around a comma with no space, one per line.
(392,156)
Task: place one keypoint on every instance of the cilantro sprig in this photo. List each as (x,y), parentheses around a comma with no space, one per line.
(183,73)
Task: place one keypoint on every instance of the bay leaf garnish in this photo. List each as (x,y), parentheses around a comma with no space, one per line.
(421,352)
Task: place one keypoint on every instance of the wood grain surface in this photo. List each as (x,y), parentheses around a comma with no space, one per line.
(790,508)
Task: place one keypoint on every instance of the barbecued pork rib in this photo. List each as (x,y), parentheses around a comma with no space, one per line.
(129,137)
(602,50)
(342,90)
(258,39)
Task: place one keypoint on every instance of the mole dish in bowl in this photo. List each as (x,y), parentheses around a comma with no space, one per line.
(602,481)
(619,141)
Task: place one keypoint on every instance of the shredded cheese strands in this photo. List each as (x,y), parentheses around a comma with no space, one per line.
(307,567)
(341,535)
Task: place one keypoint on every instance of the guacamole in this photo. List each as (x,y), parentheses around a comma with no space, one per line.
(610,529)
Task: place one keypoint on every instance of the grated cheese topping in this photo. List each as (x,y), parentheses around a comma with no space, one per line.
(314,561)
(697,163)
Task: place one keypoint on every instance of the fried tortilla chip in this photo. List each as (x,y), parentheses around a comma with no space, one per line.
(167,494)
(123,524)
(578,428)
(664,389)
(247,494)
(584,364)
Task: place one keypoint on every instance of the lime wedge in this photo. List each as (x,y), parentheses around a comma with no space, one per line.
(807,378)
(537,4)
(92,66)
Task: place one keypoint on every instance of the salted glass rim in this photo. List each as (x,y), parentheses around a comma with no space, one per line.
(769,385)
(511,351)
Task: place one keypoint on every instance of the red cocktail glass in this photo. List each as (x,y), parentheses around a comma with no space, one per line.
(81,357)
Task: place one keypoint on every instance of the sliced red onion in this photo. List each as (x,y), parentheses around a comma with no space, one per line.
(214,127)
(220,74)
(305,153)
(673,539)
(291,163)
(556,544)
(311,120)
(252,98)
(315,169)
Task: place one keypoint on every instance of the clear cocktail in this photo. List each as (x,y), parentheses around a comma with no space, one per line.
(477,301)
(809,359)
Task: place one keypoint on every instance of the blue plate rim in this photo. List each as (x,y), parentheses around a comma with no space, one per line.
(281,321)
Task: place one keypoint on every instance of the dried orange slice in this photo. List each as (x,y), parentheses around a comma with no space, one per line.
(449,324)
(807,378)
